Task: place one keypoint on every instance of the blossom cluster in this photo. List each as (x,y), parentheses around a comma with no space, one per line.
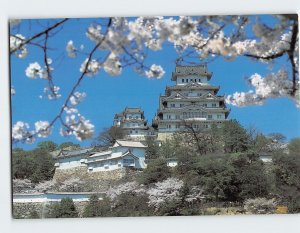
(75,124)
(17,46)
(164,191)
(271,86)
(34,70)
(52,93)
(21,131)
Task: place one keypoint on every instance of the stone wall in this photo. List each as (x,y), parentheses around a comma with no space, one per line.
(40,210)
(91,181)
(82,173)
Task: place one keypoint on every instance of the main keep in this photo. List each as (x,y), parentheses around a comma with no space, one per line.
(192,102)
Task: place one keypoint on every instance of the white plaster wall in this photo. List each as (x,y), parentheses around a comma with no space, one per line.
(105,165)
(70,162)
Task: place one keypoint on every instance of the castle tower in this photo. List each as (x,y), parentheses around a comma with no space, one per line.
(191,102)
(133,122)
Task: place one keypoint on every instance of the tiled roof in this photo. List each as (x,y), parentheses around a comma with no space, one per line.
(129,144)
(73,153)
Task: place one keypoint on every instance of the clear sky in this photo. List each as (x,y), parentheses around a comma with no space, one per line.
(108,95)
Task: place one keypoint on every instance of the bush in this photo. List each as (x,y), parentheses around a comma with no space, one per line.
(97,208)
(64,209)
(260,206)
(157,170)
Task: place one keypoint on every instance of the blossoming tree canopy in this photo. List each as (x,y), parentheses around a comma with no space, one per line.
(117,43)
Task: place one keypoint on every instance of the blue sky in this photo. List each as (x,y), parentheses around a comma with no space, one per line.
(108,95)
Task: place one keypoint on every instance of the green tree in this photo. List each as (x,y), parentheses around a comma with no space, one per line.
(152,150)
(130,204)
(108,136)
(294,146)
(96,207)
(218,178)
(47,146)
(287,179)
(36,165)
(157,170)
(235,137)
(64,209)
(68,144)
(251,176)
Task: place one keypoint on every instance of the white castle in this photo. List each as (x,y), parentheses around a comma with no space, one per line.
(191,102)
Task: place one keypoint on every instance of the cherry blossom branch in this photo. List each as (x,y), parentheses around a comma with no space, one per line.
(24,42)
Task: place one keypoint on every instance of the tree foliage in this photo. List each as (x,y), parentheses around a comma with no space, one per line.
(64,209)
(96,207)
(157,170)
(109,136)
(287,179)
(294,146)
(235,137)
(36,165)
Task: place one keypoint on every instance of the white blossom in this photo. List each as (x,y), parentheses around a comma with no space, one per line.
(164,191)
(21,132)
(16,45)
(94,33)
(78,126)
(115,191)
(91,69)
(42,128)
(52,93)
(155,71)
(271,86)
(77,97)
(71,50)
(33,70)
(112,65)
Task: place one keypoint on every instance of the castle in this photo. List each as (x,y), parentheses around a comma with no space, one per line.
(191,102)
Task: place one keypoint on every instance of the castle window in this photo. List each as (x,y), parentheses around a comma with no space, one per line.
(177,126)
(219,116)
(214,105)
(182,80)
(187,80)
(204,105)
(172,105)
(199,80)
(181,105)
(209,116)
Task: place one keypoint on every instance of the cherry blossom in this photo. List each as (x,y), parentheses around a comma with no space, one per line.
(92,68)
(121,42)
(77,97)
(164,191)
(271,86)
(16,45)
(42,128)
(71,50)
(155,72)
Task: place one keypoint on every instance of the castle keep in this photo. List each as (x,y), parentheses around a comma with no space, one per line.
(191,102)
